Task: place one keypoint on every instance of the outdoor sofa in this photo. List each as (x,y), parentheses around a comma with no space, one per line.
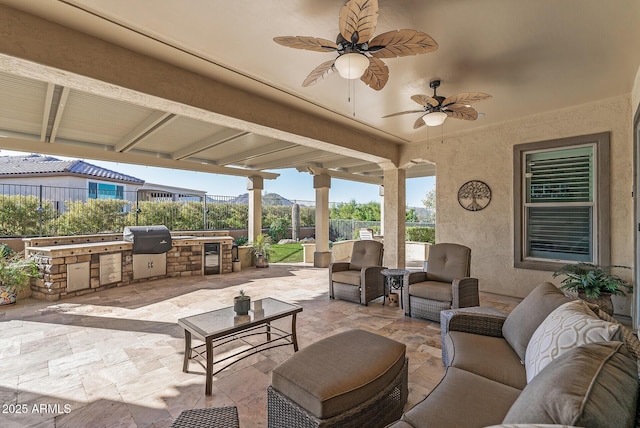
(530,367)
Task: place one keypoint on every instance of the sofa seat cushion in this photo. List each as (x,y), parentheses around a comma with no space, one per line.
(432,290)
(463,399)
(351,277)
(490,357)
(339,372)
(594,385)
(525,318)
(569,325)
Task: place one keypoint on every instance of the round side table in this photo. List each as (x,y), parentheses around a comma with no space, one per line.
(394,280)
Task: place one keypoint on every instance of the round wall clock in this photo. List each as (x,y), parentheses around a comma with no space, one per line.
(474,195)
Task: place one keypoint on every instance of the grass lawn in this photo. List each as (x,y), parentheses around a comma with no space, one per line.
(288,253)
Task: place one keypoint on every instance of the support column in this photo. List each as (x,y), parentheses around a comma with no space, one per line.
(381,193)
(395,217)
(322,255)
(255,184)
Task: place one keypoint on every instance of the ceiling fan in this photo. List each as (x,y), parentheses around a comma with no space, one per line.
(358,54)
(436,109)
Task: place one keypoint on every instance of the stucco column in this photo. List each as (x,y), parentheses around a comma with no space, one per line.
(322,255)
(381,190)
(255,184)
(394,217)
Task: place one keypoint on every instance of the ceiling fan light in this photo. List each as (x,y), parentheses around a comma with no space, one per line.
(351,65)
(435,118)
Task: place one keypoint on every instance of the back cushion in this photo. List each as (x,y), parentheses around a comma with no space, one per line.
(448,262)
(570,325)
(529,314)
(594,385)
(366,253)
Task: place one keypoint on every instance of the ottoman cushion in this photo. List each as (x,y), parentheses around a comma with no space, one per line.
(339,372)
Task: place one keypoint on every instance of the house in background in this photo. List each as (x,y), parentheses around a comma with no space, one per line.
(160,193)
(58,181)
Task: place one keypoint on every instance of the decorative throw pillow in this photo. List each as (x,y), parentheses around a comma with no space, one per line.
(570,325)
(593,385)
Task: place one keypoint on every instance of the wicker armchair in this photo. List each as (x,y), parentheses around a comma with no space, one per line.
(360,279)
(444,285)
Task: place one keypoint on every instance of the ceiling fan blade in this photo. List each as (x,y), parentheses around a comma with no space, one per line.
(308,43)
(466,98)
(359,16)
(403,112)
(377,75)
(401,43)
(320,72)
(463,112)
(418,123)
(425,100)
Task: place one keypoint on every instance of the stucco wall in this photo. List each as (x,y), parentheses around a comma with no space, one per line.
(635,93)
(487,154)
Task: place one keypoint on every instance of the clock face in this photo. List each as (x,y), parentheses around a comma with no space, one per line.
(474,195)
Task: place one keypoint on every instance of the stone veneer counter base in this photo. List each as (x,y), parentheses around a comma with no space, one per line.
(184,259)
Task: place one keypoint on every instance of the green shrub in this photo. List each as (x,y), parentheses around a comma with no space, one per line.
(92,216)
(241,240)
(421,234)
(279,229)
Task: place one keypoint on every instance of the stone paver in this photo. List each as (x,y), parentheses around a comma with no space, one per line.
(114,358)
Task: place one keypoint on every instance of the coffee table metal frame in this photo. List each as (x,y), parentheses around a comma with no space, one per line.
(256,324)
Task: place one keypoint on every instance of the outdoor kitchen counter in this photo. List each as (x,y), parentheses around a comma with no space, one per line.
(79,249)
(113,246)
(57,263)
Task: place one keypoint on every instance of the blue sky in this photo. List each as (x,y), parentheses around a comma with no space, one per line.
(291,184)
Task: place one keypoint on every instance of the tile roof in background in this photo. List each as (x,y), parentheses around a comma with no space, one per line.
(37,164)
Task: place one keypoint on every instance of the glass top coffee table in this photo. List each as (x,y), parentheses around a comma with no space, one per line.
(222,326)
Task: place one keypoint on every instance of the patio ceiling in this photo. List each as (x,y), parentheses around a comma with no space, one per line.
(531,56)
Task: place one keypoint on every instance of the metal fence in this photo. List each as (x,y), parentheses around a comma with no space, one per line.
(340,230)
(38,210)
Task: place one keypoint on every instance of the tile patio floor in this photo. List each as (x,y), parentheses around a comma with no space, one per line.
(114,358)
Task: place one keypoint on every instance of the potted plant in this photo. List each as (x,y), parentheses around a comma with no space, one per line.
(15,274)
(241,303)
(261,247)
(593,283)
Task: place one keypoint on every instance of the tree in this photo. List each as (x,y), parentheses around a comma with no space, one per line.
(430,203)
(411,216)
(353,211)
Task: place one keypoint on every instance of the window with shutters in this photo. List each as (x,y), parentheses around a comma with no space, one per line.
(561,190)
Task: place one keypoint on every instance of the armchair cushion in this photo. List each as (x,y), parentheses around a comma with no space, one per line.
(351,277)
(525,318)
(454,402)
(366,253)
(487,356)
(432,290)
(448,262)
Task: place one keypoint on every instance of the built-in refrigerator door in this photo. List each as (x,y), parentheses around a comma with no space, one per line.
(211,258)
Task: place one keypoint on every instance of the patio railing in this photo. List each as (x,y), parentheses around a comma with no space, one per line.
(38,210)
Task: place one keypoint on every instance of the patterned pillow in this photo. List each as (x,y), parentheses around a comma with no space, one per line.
(568,326)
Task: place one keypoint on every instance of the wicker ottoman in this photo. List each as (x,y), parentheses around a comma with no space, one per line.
(352,379)
(219,417)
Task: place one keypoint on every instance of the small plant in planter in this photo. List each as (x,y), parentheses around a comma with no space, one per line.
(593,283)
(261,247)
(15,274)
(241,303)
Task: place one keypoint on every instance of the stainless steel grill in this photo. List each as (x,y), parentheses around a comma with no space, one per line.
(148,239)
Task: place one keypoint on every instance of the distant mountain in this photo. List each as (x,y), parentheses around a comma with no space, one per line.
(267,199)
